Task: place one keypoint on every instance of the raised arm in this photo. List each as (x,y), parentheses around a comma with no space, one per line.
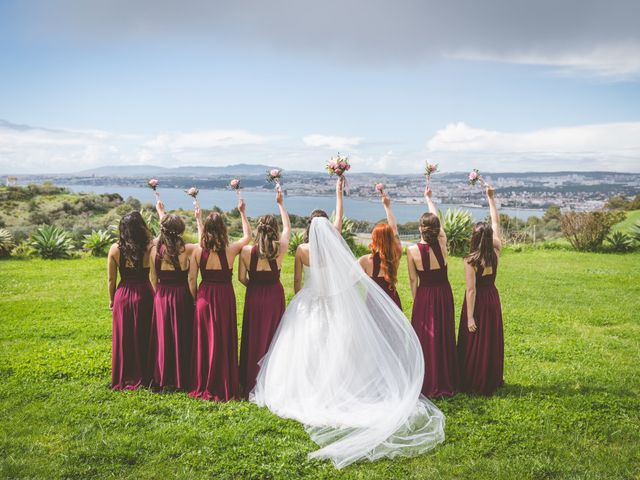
(236,246)
(198,214)
(391,218)
(112,273)
(495,219)
(160,209)
(433,209)
(286,223)
(339,207)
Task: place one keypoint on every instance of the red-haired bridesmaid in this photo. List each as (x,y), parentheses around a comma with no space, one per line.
(214,364)
(170,346)
(264,304)
(383,261)
(433,316)
(480,337)
(131,303)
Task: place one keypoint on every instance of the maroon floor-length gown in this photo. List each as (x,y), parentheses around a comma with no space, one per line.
(263,308)
(481,353)
(214,365)
(171,329)
(392,292)
(132,310)
(433,319)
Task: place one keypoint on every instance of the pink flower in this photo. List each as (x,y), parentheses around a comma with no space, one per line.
(193,192)
(473,175)
(379,187)
(153,183)
(338,171)
(342,165)
(274,173)
(333,165)
(235,183)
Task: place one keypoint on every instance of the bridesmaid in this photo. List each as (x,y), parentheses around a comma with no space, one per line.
(131,303)
(259,271)
(170,346)
(433,313)
(214,364)
(480,338)
(386,250)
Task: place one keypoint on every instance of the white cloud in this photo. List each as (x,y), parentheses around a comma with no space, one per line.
(609,146)
(205,139)
(331,141)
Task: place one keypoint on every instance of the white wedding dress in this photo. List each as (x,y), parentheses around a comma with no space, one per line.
(347,364)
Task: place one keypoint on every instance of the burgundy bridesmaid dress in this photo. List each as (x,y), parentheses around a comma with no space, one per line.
(132,310)
(481,353)
(214,365)
(433,319)
(384,285)
(264,306)
(170,348)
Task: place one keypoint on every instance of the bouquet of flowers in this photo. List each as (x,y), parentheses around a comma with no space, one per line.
(338,166)
(274,176)
(379,188)
(429,170)
(235,185)
(475,177)
(153,185)
(193,192)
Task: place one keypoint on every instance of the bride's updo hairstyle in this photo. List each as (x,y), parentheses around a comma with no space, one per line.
(429,227)
(482,251)
(384,243)
(171,230)
(316,213)
(268,237)
(214,234)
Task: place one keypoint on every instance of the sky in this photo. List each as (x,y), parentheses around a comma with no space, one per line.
(541,85)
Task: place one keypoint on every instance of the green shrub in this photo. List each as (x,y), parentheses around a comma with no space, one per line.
(620,242)
(7,242)
(586,231)
(457,224)
(297,238)
(97,243)
(22,250)
(52,242)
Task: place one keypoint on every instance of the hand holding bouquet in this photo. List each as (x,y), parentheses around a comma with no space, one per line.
(235,185)
(153,185)
(274,176)
(475,177)
(338,166)
(429,170)
(193,192)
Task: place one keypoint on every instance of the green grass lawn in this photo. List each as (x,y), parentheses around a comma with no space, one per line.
(570,407)
(625,226)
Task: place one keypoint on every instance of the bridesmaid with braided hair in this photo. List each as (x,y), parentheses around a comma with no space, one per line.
(480,336)
(259,271)
(172,322)
(214,364)
(433,313)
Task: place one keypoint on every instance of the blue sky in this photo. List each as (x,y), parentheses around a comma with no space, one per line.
(198,83)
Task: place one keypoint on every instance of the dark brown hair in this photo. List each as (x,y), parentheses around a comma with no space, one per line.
(134,237)
(214,235)
(316,213)
(482,251)
(385,244)
(171,230)
(268,237)
(429,227)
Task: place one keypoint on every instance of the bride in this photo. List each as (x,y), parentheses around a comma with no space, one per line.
(345,361)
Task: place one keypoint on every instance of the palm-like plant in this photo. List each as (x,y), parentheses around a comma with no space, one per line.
(97,243)
(457,224)
(620,242)
(152,222)
(296,239)
(51,242)
(7,242)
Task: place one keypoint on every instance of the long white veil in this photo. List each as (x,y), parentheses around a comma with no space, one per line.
(347,364)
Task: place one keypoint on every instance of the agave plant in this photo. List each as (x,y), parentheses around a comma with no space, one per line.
(97,243)
(620,242)
(51,242)
(7,242)
(296,239)
(457,224)
(152,222)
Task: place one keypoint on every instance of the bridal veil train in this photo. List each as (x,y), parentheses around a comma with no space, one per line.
(346,363)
